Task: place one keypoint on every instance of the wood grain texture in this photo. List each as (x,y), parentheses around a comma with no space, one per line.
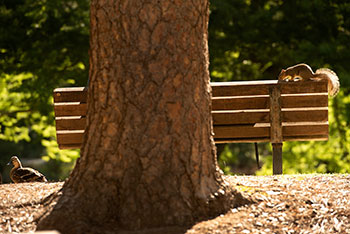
(241,131)
(241,103)
(295,131)
(70,137)
(230,117)
(248,88)
(69,146)
(240,117)
(305,100)
(70,123)
(275,115)
(71,94)
(305,115)
(70,109)
(277,160)
(267,139)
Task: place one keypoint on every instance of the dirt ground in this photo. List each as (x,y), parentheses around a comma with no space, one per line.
(282,204)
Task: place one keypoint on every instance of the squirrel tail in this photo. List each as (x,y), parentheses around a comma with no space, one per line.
(333,80)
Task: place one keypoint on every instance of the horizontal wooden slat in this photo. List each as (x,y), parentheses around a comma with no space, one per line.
(240,103)
(241,131)
(240,117)
(241,88)
(248,88)
(263,130)
(70,123)
(235,140)
(70,109)
(304,87)
(71,146)
(299,101)
(305,130)
(69,137)
(307,138)
(71,94)
(286,124)
(231,134)
(263,116)
(266,139)
(263,102)
(305,115)
(241,140)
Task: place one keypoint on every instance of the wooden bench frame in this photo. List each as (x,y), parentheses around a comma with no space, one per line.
(249,111)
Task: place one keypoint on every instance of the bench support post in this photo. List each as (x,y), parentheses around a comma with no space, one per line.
(277,158)
(276,128)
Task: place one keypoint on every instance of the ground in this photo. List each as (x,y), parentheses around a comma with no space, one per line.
(282,204)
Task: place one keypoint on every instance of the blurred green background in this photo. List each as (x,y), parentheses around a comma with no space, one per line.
(45,44)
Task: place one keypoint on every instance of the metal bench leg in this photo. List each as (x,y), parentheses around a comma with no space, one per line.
(277,158)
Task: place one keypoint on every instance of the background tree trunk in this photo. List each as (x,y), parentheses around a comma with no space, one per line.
(148,157)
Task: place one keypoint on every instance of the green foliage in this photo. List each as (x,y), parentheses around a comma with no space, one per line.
(254,39)
(13,108)
(238,159)
(43,45)
(251,40)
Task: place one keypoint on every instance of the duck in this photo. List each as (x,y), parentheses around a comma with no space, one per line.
(19,174)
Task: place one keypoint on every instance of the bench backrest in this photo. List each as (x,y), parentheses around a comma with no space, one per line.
(251,111)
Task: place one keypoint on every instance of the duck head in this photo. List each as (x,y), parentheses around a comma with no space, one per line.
(15,162)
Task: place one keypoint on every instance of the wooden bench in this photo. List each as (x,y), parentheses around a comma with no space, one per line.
(250,111)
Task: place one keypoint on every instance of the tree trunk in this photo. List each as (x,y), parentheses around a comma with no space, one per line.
(148,157)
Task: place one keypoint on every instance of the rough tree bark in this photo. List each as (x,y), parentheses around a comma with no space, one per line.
(148,157)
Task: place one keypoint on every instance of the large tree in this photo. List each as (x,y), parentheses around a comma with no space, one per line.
(148,157)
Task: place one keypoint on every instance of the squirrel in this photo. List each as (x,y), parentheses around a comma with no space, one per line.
(303,71)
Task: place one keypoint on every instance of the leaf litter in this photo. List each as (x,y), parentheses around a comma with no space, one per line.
(22,204)
(287,204)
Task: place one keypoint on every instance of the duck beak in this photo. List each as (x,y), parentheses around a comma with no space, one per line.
(9,163)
